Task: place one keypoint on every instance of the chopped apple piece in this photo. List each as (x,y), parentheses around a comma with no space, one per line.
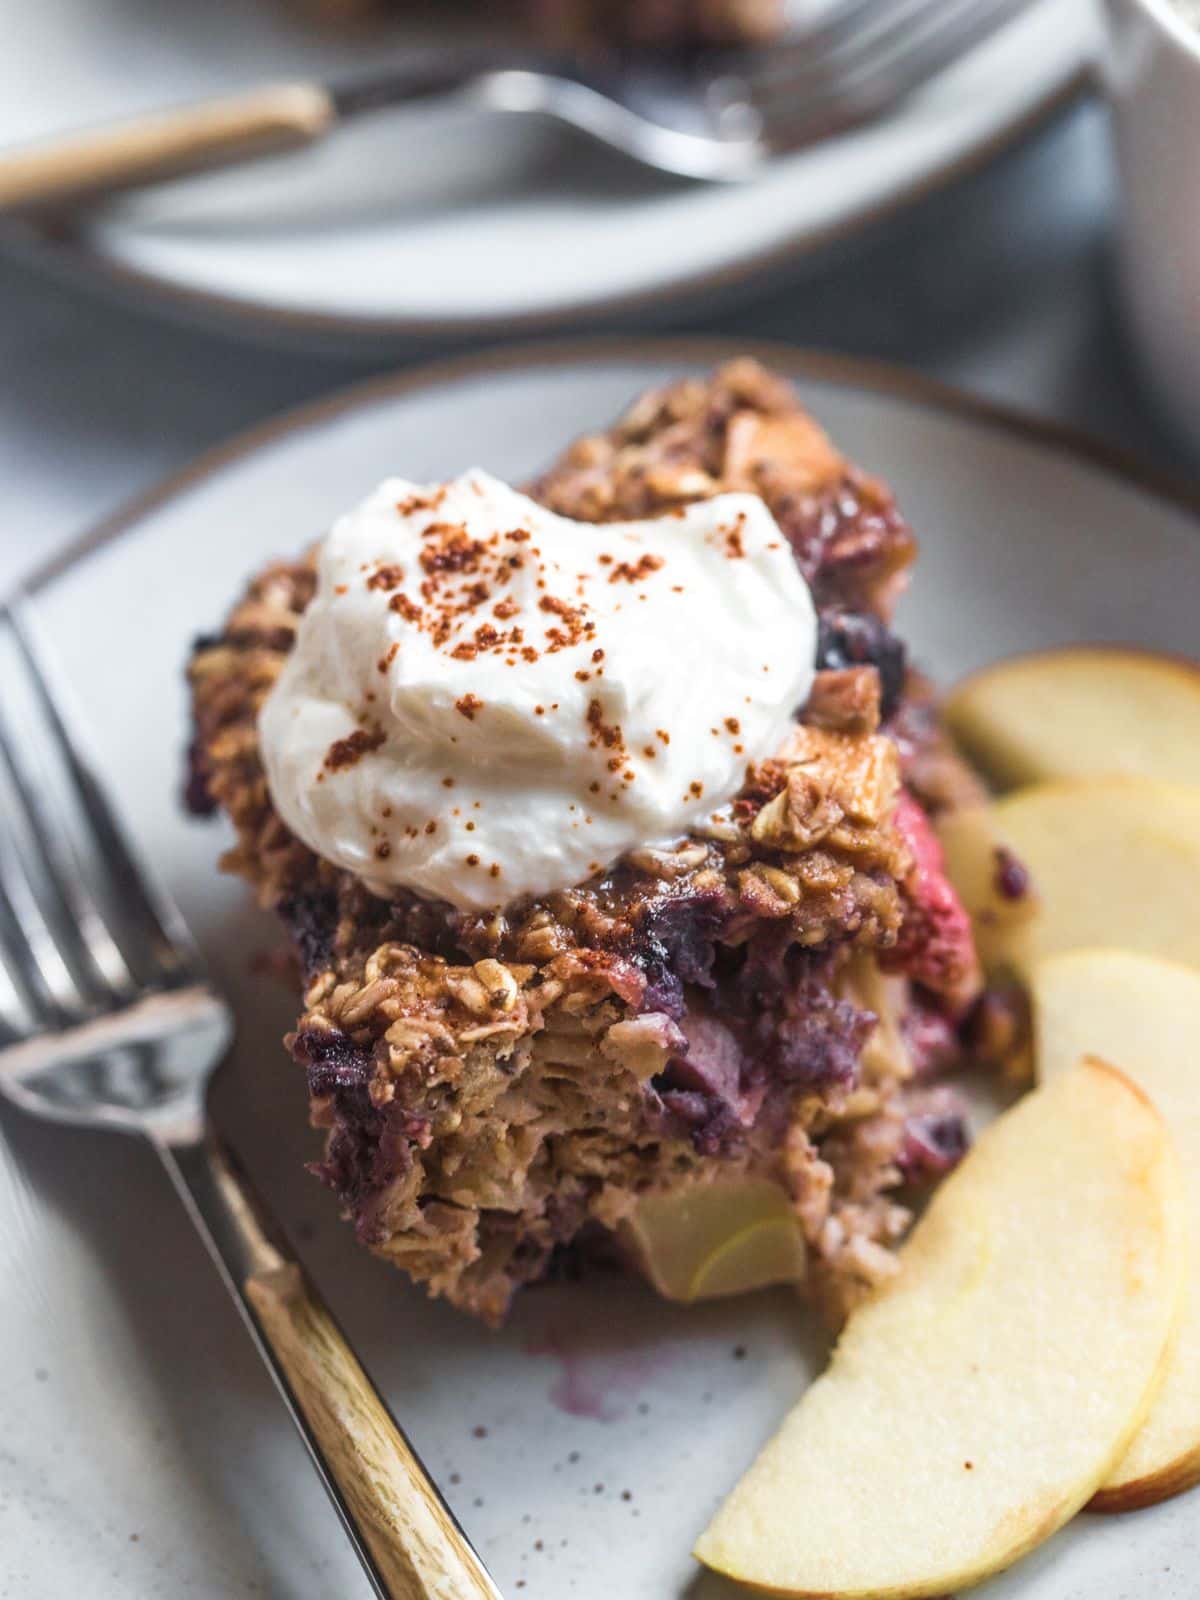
(980,1398)
(770,1251)
(1145,1015)
(886,1053)
(1115,861)
(716,1238)
(1085,711)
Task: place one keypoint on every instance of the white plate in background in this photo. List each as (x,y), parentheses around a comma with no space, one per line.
(447,224)
(142,1450)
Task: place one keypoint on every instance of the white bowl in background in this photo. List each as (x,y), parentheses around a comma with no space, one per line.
(1153,79)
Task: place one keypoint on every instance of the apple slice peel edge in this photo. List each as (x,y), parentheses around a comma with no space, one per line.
(979,1400)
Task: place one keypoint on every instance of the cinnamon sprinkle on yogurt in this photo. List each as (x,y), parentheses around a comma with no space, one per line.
(447,602)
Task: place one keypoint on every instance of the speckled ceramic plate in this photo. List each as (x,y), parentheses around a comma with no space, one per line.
(377,236)
(142,1450)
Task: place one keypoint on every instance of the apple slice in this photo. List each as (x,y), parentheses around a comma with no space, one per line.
(981,1397)
(1085,711)
(1145,1014)
(1113,861)
(992,884)
(715,1238)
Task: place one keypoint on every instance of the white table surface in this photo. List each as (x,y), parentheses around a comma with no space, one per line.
(1001,285)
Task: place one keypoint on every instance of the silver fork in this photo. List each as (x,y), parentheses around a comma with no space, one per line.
(108,1020)
(714,116)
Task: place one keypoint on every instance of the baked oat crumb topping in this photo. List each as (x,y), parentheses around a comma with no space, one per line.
(496,1084)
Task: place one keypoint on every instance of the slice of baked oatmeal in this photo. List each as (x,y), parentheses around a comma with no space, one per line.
(767,1001)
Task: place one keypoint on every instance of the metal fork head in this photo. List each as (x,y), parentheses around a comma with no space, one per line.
(869,58)
(719,116)
(106,1015)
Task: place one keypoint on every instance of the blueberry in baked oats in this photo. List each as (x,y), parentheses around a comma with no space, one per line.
(711,1031)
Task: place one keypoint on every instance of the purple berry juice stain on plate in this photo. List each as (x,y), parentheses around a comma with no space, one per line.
(600,1382)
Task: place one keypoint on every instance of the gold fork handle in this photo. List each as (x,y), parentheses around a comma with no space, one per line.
(166,144)
(417,1547)
(402,1529)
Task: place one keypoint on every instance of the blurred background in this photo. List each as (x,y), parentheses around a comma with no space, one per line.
(968,234)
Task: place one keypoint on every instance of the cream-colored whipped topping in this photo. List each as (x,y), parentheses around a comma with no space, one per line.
(486,700)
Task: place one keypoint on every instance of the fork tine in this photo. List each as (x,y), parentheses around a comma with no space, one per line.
(880,24)
(792,118)
(16,1020)
(87,946)
(156,945)
(832,28)
(909,69)
(38,976)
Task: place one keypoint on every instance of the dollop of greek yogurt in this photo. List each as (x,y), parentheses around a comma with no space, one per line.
(486,700)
